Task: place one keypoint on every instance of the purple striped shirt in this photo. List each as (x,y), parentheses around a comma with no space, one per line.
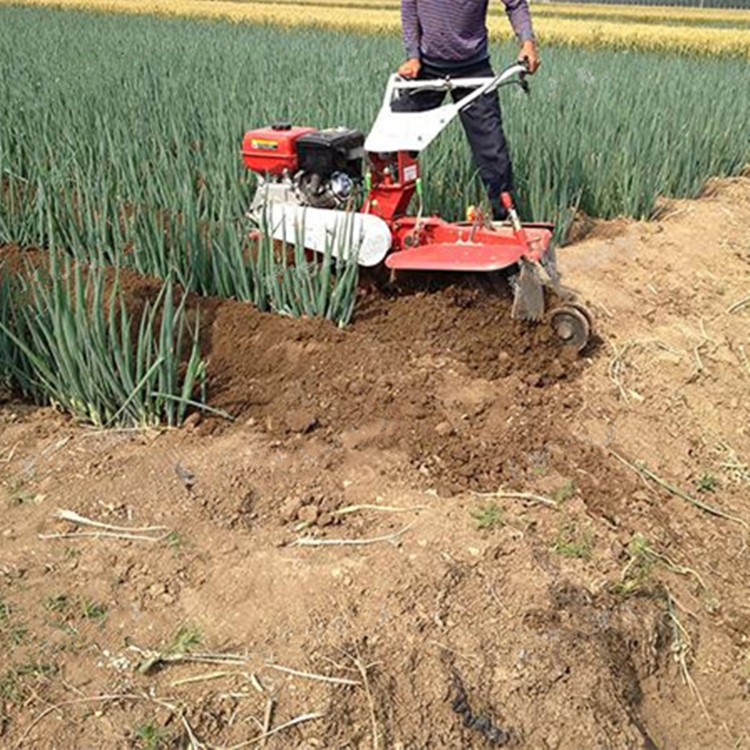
(456,30)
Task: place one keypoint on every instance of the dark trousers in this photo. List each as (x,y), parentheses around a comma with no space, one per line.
(482,122)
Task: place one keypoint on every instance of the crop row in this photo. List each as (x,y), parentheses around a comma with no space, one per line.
(69,338)
(126,131)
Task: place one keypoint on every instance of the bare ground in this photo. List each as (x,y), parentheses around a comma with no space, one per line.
(618,617)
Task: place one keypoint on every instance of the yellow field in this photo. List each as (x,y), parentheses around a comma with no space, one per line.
(643,12)
(630,13)
(553,23)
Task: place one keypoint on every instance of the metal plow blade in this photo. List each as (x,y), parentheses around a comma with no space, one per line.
(528,298)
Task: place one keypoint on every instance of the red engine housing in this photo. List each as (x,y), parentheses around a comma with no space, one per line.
(417,243)
(270,151)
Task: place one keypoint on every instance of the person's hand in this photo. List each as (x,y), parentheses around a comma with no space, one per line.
(411,68)
(530,54)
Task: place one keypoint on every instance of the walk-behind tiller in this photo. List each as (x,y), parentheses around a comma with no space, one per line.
(310,180)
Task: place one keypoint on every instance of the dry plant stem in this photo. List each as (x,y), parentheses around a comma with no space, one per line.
(267,718)
(194,743)
(313,542)
(739,305)
(11,453)
(604,309)
(73,517)
(313,676)
(52,449)
(704,333)
(681,606)
(664,347)
(153,658)
(218,658)
(370,700)
(196,404)
(206,677)
(698,360)
(75,701)
(681,647)
(103,535)
(743,357)
(255,682)
(382,508)
(643,471)
(289,724)
(679,569)
(518,496)
(616,366)
(115,430)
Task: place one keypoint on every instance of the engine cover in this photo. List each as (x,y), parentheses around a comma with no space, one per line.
(326,152)
(272,150)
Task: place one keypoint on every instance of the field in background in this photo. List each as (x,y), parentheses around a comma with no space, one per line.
(603,132)
(708,32)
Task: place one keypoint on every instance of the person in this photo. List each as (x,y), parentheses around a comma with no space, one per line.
(449,38)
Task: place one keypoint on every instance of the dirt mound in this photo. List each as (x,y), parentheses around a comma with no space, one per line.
(601,608)
(446,377)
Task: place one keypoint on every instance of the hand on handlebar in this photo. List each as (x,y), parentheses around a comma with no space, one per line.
(411,68)
(529,54)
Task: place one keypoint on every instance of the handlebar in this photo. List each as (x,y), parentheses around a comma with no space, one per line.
(405,129)
(513,75)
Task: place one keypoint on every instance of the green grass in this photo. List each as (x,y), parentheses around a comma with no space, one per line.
(92,610)
(574,542)
(707,483)
(71,608)
(637,573)
(150,736)
(175,542)
(565,492)
(70,339)
(58,603)
(16,682)
(131,156)
(185,640)
(12,632)
(489,517)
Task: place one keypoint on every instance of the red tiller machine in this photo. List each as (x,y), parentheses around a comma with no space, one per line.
(311,180)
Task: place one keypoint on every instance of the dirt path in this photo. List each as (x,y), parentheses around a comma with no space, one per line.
(617,617)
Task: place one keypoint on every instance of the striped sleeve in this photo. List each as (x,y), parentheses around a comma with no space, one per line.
(410,26)
(520,18)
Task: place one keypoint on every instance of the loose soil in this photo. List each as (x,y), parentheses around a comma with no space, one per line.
(617,617)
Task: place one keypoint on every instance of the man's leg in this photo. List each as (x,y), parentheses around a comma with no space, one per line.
(483,124)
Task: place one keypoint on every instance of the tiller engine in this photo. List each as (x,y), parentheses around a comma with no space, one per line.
(316,183)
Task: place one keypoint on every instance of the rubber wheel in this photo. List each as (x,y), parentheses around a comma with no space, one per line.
(571,326)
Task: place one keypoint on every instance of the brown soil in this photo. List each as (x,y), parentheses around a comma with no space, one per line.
(545,625)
